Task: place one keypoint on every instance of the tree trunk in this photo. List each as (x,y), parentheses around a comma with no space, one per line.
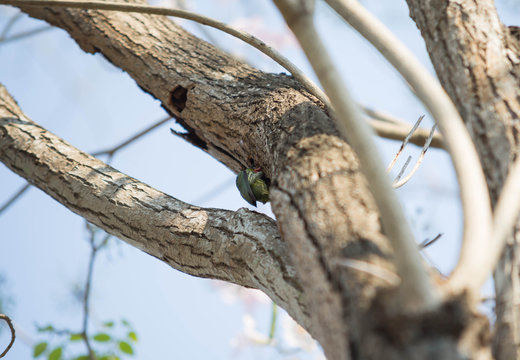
(477,60)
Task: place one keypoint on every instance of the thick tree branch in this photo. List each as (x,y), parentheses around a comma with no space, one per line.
(242,247)
(472,185)
(381,129)
(185,14)
(477,60)
(417,290)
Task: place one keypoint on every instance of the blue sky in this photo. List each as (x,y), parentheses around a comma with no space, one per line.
(93,105)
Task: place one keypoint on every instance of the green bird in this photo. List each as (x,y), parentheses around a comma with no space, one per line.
(252,186)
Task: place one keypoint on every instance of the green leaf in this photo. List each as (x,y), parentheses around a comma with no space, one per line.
(125,323)
(102,337)
(39,349)
(108,357)
(55,354)
(76,337)
(47,328)
(132,335)
(126,348)
(108,324)
(81,357)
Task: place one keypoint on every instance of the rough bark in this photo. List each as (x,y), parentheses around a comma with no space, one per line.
(242,247)
(477,60)
(242,117)
(325,213)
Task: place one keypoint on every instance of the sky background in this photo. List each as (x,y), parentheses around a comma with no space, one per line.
(44,247)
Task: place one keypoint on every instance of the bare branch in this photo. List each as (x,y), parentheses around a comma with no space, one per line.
(417,288)
(13,334)
(382,116)
(110,152)
(388,276)
(24,34)
(397,184)
(429,242)
(94,248)
(473,187)
(15,197)
(401,172)
(405,142)
(10,24)
(242,247)
(398,132)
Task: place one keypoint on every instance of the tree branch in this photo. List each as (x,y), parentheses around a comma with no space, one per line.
(14,198)
(13,336)
(110,152)
(472,184)
(241,247)
(417,289)
(382,130)
(184,14)
(399,132)
(477,60)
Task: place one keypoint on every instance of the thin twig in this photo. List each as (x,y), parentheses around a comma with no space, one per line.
(399,132)
(86,309)
(13,334)
(15,197)
(24,34)
(110,152)
(86,294)
(401,172)
(416,289)
(10,24)
(429,242)
(404,143)
(397,184)
(374,270)
(382,116)
(473,188)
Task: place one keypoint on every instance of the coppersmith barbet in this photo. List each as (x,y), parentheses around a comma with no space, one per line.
(252,186)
